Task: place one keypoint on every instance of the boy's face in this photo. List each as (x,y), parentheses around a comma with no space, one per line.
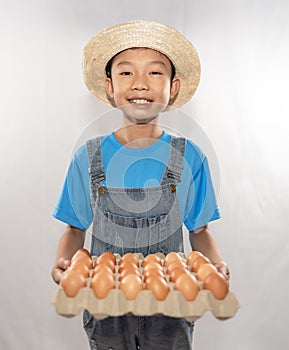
(141,84)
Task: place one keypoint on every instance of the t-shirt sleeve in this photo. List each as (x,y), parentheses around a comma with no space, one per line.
(73,205)
(201,206)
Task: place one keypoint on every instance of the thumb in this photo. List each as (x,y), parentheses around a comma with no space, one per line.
(63,263)
(223,269)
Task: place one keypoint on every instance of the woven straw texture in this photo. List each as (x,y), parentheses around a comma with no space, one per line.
(141,33)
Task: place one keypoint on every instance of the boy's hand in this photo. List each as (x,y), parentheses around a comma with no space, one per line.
(222,267)
(60,266)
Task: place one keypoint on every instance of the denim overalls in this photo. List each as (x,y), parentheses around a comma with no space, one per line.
(145,220)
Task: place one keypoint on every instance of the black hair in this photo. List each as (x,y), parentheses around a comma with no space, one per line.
(109,65)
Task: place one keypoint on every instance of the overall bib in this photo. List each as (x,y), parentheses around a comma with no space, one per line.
(143,220)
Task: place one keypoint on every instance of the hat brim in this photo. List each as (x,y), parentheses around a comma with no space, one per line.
(141,33)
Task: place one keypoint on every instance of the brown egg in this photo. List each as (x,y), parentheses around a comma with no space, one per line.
(71,283)
(177,272)
(106,261)
(127,264)
(192,256)
(85,251)
(158,286)
(83,259)
(101,283)
(101,267)
(153,272)
(128,271)
(77,265)
(188,285)
(217,284)
(82,251)
(204,271)
(198,262)
(131,285)
(107,255)
(175,264)
(151,258)
(152,265)
(129,256)
(170,257)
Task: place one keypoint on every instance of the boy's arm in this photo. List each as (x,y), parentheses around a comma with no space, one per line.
(204,242)
(71,240)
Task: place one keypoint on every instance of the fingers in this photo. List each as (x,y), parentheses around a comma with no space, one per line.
(222,267)
(62,263)
(60,266)
(57,275)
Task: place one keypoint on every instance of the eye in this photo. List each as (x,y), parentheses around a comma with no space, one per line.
(125,73)
(156,73)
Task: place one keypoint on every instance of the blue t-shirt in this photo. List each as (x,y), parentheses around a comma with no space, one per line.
(127,167)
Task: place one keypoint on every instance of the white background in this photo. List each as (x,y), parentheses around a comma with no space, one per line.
(242,108)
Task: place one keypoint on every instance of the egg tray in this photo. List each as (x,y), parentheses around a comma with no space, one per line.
(145,304)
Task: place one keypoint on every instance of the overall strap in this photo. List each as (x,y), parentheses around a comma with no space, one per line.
(173,172)
(96,169)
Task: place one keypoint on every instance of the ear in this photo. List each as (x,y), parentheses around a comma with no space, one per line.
(175,87)
(109,87)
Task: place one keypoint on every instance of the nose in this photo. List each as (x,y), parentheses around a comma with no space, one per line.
(140,83)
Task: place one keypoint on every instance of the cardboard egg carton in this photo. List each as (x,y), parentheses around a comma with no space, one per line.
(145,304)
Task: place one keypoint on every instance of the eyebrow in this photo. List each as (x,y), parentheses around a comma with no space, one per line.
(131,63)
(123,63)
(158,62)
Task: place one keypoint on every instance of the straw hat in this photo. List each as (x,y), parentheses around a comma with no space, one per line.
(141,33)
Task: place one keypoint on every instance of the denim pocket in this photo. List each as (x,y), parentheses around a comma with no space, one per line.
(134,233)
(134,221)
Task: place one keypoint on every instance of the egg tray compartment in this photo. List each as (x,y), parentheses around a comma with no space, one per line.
(145,304)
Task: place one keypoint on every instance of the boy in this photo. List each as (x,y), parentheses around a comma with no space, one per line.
(138,185)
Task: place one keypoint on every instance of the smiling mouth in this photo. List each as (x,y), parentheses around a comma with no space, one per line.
(140,101)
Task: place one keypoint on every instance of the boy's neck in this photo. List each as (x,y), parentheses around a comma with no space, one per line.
(138,135)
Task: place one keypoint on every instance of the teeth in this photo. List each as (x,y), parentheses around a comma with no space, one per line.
(140,101)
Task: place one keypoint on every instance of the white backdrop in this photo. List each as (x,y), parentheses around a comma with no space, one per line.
(241,106)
